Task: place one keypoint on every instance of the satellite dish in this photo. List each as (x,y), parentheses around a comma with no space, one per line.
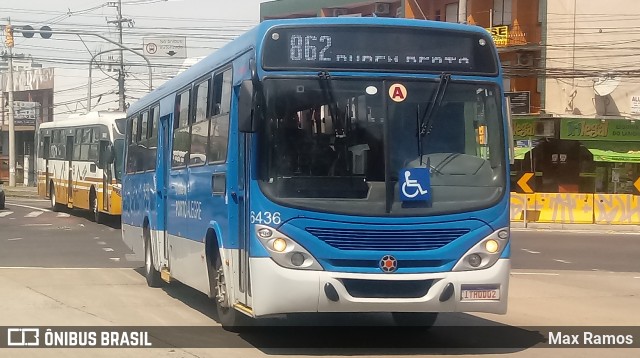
(605,85)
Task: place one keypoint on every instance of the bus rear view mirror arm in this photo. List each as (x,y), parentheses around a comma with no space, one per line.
(247,121)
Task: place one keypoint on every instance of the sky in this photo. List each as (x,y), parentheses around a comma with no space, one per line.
(206,24)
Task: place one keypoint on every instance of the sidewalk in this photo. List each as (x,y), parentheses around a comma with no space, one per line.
(20,191)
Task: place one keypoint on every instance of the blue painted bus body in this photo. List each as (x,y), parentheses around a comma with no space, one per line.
(146,196)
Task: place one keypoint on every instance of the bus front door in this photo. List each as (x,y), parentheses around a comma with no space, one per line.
(69,156)
(240,196)
(162,189)
(45,154)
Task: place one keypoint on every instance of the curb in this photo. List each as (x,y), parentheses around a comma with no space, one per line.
(21,192)
(20,195)
(595,228)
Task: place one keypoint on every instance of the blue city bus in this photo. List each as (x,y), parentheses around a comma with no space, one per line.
(328,165)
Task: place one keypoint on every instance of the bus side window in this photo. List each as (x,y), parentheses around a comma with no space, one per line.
(143,159)
(87,133)
(76,144)
(132,150)
(181,144)
(153,137)
(219,126)
(200,126)
(44,151)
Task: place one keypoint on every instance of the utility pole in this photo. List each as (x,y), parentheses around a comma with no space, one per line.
(118,23)
(12,131)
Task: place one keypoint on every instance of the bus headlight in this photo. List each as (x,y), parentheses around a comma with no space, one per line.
(285,251)
(491,246)
(279,245)
(485,253)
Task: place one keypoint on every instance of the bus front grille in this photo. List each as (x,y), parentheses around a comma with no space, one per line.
(387,240)
(387,288)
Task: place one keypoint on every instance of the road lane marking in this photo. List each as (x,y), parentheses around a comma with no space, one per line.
(107,249)
(101,243)
(536,273)
(5,213)
(116,259)
(63,215)
(33,214)
(62,268)
(530,251)
(562,261)
(30,207)
(37,225)
(15,239)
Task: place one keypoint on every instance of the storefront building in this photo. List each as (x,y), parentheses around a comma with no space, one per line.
(578,155)
(33,104)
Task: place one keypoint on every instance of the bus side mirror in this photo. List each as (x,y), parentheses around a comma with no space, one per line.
(111,153)
(106,156)
(247,114)
(512,153)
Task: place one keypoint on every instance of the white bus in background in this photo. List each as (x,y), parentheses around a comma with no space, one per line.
(80,162)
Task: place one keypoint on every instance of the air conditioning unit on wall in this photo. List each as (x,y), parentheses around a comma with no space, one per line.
(339,12)
(381,8)
(524,59)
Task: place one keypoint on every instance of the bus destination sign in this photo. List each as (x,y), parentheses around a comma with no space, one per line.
(394,49)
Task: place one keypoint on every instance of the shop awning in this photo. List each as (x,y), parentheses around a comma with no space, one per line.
(615,152)
(520,152)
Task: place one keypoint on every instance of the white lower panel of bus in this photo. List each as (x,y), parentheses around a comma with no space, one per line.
(132,237)
(279,290)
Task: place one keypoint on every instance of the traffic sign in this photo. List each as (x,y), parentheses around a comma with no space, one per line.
(636,184)
(522,182)
(167,47)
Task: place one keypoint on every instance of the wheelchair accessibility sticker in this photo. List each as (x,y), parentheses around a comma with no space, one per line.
(415,184)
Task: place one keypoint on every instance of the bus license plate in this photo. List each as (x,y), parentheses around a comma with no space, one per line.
(480,294)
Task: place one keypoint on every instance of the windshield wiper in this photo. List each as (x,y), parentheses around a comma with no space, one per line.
(327,90)
(426,123)
(338,120)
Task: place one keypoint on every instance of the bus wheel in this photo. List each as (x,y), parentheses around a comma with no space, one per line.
(424,320)
(52,197)
(150,273)
(93,205)
(230,319)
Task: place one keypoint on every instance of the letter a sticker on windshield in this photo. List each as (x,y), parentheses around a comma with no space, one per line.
(397,92)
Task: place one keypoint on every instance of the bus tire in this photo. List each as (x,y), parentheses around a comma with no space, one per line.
(96,215)
(52,198)
(150,273)
(423,320)
(230,319)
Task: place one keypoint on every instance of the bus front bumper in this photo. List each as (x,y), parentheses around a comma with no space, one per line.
(278,290)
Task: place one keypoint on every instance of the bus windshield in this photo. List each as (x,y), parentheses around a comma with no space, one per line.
(338,145)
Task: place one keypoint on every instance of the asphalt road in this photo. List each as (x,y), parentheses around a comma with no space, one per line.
(575,250)
(61,269)
(31,235)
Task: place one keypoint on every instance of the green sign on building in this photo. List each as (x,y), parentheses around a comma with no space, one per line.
(595,129)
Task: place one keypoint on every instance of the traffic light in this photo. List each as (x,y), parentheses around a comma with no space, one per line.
(8,36)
